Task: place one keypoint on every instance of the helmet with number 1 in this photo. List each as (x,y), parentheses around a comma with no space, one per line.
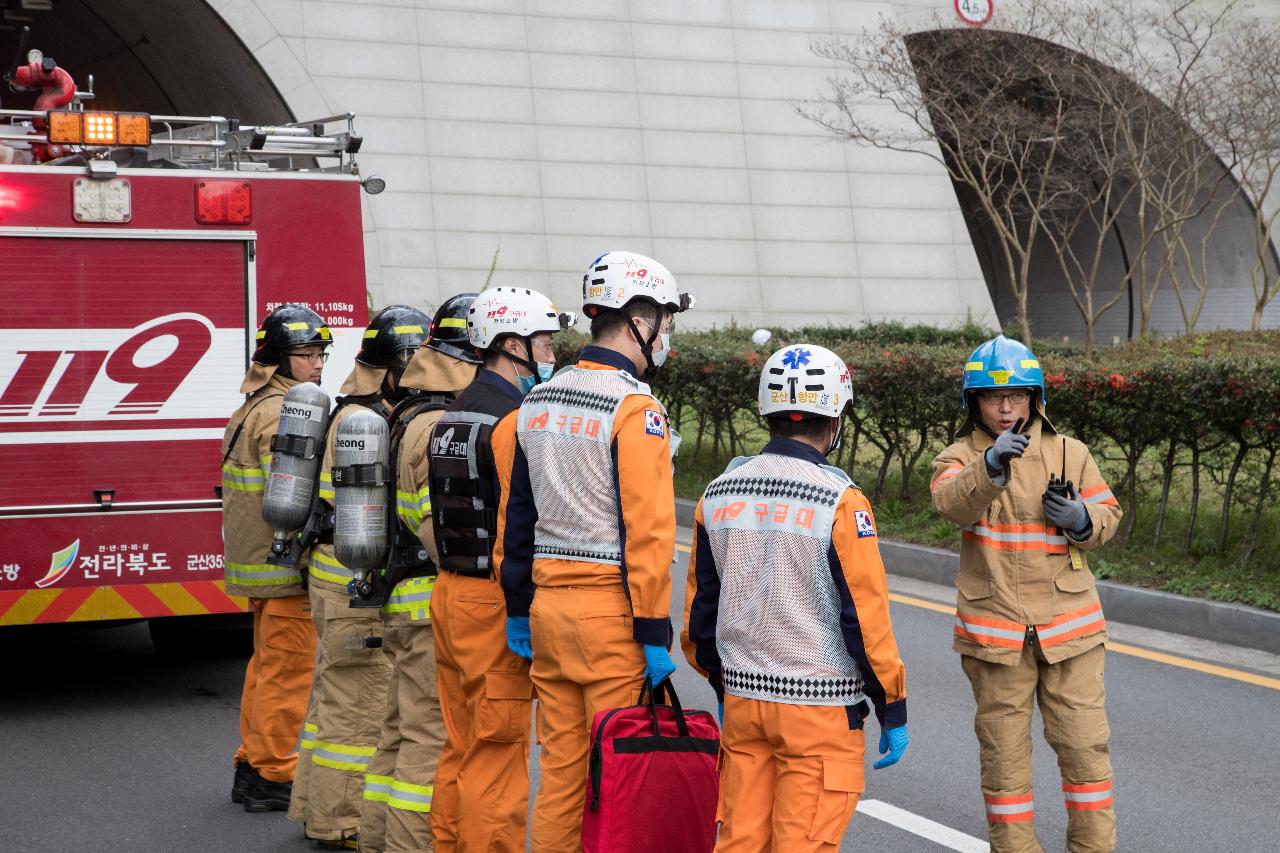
(502,311)
(1002,363)
(804,379)
(617,278)
(287,327)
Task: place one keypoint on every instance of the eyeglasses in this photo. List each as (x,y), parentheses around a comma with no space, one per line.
(310,357)
(1017,398)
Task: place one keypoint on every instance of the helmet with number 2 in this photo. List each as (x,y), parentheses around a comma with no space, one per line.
(805,379)
(616,278)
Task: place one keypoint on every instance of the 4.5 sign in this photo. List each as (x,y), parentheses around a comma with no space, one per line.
(975,13)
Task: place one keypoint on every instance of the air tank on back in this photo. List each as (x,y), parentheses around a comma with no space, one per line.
(361,478)
(297,450)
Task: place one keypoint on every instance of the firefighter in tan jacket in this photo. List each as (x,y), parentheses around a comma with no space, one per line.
(1029,625)
(290,349)
(396,814)
(349,691)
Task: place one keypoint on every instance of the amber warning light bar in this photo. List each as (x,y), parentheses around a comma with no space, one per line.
(73,127)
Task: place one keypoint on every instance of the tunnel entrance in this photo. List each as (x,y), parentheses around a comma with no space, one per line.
(1220,241)
(176,57)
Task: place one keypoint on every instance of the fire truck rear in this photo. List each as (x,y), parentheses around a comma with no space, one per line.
(139,253)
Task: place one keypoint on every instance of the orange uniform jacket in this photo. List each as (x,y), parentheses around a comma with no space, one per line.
(645,512)
(860,580)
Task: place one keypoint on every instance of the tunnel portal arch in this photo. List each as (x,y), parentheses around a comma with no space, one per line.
(1228,258)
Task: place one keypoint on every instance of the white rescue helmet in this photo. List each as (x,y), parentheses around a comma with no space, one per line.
(516,311)
(616,278)
(805,379)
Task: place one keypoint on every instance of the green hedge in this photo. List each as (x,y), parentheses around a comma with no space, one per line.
(1191,424)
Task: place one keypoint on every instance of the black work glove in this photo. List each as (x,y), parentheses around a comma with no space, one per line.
(1067,511)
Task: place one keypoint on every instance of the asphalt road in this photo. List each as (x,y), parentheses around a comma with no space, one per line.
(109,747)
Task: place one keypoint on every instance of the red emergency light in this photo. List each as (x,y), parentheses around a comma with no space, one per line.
(224,202)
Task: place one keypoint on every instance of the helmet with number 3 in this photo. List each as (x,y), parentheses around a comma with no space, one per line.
(805,379)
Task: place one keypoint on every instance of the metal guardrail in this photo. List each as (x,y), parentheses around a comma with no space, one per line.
(218,142)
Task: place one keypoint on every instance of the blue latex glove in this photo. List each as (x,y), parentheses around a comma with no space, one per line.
(519,639)
(658,664)
(720,712)
(894,741)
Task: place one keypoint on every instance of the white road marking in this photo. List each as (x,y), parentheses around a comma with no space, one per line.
(930,830)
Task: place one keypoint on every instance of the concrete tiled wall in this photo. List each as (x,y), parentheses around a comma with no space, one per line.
(554,130)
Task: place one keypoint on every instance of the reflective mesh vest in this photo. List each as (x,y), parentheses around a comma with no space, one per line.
(461,476)
(769,520)
(565,431)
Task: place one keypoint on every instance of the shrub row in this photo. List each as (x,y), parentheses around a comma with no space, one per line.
(1193,420)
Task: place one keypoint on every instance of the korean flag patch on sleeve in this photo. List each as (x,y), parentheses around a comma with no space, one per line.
(865,526)
(653,423)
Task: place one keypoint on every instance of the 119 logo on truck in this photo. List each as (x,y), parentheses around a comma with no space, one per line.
(129,325)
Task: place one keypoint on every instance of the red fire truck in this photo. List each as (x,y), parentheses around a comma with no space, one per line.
(137,255)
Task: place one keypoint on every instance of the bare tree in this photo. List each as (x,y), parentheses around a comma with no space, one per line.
(1078,121)
(989,110)
(1248,127)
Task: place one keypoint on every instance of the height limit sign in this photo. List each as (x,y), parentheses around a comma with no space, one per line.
(975,13)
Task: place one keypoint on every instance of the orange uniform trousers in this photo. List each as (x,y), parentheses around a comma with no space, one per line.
(585,660)
(790,776)
(277,683)
(481,801)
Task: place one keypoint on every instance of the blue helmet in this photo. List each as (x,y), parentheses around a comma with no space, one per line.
(1002,363)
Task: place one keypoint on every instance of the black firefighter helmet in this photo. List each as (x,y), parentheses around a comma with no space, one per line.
(287,327)
(395,329)
(449,329)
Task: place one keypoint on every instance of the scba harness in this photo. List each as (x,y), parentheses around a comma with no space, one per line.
(464,501)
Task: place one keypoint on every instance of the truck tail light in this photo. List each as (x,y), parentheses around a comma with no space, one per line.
(65,127)
(224,202)
(99,128)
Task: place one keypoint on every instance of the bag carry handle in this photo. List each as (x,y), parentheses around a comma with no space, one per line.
(652,695)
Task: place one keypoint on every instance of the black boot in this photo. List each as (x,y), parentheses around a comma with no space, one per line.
(263,795)
(244,772)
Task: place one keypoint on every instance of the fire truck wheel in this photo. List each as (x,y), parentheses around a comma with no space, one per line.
(202,637)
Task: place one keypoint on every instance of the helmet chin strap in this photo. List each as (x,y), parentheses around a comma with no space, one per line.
(530,364)
(646,347)
(838,441)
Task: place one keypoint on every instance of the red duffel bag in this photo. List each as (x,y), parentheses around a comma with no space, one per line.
(652,784)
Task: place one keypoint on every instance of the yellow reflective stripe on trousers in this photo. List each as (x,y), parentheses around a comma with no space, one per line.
(409,797)
(341,756)
(412,596)
(309,735)
(377,788)
(326,486)
(319,559)
(243,479)
(260,574)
